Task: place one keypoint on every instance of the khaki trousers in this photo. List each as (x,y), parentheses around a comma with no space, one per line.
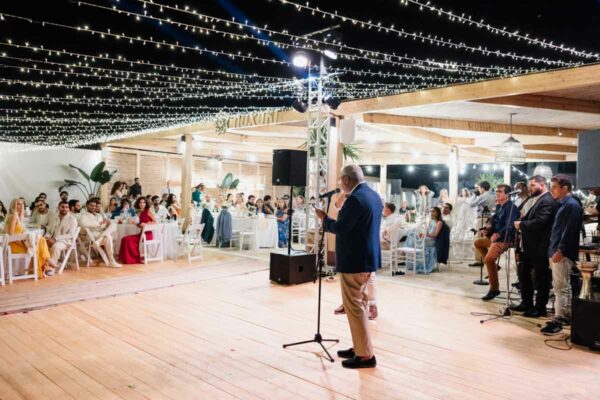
(356,305)
(56,250)
(490,253)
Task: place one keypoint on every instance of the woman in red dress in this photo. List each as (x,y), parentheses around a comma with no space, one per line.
(130,245)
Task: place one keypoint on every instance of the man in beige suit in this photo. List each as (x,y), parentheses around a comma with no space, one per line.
(60,231)
(101,230)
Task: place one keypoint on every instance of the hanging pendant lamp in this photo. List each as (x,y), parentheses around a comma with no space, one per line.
(511,150)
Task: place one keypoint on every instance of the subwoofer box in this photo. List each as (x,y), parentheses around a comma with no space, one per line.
(585,322)
(293,269)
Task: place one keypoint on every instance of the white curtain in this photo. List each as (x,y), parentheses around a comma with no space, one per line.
(26,174)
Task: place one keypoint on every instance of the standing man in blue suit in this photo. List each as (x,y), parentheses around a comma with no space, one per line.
(357,256)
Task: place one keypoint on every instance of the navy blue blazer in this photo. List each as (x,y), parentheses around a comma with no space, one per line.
(357,246)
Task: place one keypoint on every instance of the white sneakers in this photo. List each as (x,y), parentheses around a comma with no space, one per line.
(114,264)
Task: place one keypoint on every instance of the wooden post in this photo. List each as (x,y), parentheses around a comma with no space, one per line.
(138,164)
(383,181)
(186,178)
(453,167)
(507,174)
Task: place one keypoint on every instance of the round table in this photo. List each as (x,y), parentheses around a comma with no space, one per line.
(170,233)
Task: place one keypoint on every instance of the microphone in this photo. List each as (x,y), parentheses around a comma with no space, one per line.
(518,191)
(329,194)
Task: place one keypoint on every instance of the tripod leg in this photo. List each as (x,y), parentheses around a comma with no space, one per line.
(330,340)
(326,352)
(298,343)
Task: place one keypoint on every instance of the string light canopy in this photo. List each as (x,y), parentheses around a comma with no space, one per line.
(511,151)
(67,79)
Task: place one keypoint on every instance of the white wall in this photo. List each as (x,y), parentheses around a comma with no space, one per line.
(27,174)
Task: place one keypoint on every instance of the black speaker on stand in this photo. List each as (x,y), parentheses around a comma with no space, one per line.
(289,169)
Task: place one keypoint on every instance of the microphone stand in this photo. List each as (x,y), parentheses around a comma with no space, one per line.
(505,313)
(481,282)
(320,262)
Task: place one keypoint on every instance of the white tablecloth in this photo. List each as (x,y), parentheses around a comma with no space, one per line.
(170,233)
(265,230)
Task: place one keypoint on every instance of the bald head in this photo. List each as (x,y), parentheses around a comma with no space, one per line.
(351,176)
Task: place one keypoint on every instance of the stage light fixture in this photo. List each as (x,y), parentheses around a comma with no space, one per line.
(332,102)
(300,60)
(299,106)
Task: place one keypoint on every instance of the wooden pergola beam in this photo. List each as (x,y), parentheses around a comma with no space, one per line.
(529,156)
(558,148)
(545,102)
(464,125)
(524,84)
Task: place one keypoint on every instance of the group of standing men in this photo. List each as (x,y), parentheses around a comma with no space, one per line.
(544,229)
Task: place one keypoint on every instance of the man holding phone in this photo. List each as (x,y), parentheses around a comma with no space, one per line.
(357,255)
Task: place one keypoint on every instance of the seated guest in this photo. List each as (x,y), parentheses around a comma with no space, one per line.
(14,226)
(124,210)
(251,201)
(268,208)
(158,209)
(499,234)
(101,229)
(563,251)
(130,245)
(433,231)
(163,199)
(447,215)
(113,204)
(197,194)
(173,207)
(282,222)
(41,196)
(3,212)
(41,215)
(260,206)
(220,202)
(300,202)
(240,206)
(229,201)
(390,225)
(116,190)
(75,208)
(60,231)
(209,203)
(64,196)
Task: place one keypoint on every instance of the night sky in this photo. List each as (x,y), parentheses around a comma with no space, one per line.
(96,102)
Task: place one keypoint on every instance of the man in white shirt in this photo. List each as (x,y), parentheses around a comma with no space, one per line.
(60,231)
(101,230)
(159,210)
(390,225)
(41,214)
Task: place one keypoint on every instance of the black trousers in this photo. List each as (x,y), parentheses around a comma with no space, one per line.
(540,265)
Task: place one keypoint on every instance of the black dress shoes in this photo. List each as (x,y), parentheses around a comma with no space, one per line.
(492,294)
(476,264)
(356,362)
(346,353)
(533,313)
(521,308)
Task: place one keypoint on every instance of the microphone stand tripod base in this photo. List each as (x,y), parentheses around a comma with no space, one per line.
(317,339)
(481,282)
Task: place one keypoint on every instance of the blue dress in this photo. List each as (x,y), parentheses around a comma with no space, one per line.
(282,228)
(430,251)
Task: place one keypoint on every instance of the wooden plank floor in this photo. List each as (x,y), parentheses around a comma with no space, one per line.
(221,338)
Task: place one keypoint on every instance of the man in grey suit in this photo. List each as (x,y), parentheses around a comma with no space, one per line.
(357,256)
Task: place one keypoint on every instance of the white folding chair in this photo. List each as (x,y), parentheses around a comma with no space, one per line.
(192,240)
(247,235)
(26,258)
(87,243)
(388,257)
(3,239)
(66,253)
(156,242)
(417,251)
(299,229)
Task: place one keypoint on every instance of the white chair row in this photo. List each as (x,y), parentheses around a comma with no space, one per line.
(18,263)
(191,242)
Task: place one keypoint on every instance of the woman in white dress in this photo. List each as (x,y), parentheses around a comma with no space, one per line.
(423,197)
(464,215)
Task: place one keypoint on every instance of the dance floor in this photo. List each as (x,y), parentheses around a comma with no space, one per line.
(215,331)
